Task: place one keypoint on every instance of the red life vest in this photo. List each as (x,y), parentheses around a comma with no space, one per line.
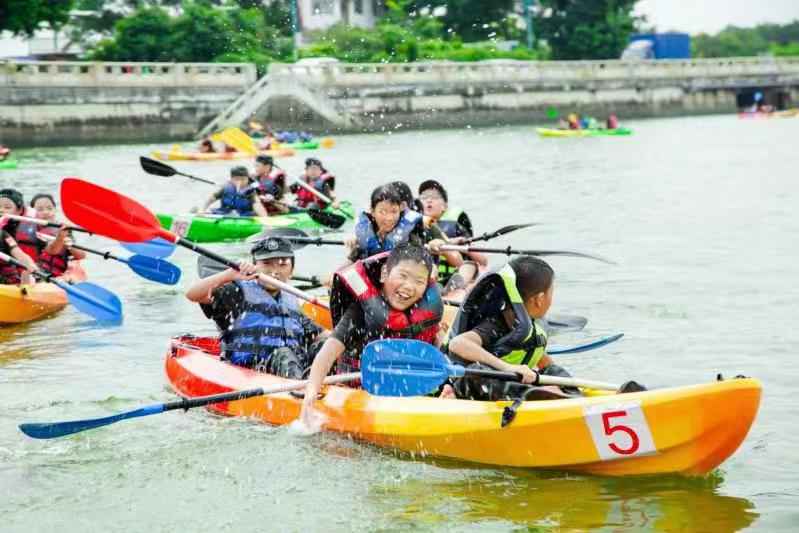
(9,274)
(306,197)
(354,283)
(26,238)
(54,264)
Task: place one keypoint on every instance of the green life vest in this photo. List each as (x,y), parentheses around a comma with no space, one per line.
(526,342)
(448,223)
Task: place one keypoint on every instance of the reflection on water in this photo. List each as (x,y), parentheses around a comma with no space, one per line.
(534,500)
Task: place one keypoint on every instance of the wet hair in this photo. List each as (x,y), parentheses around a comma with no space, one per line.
(404,191)
(533,275)
(43,195)
(314,161)
(265,160)
(239,171)
(409,252)
(385,193)
(15,196)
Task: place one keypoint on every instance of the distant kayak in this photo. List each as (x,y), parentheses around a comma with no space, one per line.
(221,228)
(312,144)
(179,155)
(788,113)
(549,132)
(8,163)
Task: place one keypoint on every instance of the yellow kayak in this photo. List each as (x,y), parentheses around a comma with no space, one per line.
(685,430)
(179,155)
(25,303)
(549,132)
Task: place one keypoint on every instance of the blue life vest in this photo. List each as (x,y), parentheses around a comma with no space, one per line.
(264,325)
(450,225)
(234,200)
(368,242)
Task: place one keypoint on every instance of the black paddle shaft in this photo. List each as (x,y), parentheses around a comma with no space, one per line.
(314,240)
(189,403)
(497,374)
(104,255)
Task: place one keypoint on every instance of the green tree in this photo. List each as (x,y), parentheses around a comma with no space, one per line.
(26,16)
(201,33)
(733,41)
(586,29)
(146,35)
(472,20)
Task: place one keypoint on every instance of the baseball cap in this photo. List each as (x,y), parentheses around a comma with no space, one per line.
(433,184)
(271,248)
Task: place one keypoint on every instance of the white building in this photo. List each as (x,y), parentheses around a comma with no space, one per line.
(321,14)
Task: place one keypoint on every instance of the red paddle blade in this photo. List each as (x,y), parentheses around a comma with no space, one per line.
(108,213)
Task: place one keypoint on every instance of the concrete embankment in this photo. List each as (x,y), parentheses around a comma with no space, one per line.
(73,103)
(442,94)
(69,103)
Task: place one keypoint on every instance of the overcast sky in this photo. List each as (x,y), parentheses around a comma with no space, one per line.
(710,16)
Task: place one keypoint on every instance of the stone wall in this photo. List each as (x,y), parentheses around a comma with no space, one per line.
(73,103)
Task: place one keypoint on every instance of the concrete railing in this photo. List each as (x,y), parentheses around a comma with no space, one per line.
(542,72)
(119,74)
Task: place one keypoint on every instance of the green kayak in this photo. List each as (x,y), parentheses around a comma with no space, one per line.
(8,163)
(308,145)
(221,228)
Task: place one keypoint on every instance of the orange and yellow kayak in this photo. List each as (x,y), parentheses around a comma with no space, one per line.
(179,155)
(25,303)
(687,430)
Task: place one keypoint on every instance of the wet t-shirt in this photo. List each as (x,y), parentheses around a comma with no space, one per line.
(490,330)
(351,330)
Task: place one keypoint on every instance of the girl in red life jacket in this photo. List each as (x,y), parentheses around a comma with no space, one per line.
(55,257)
(318,177)
(399,300)
(271,185)
(24,233)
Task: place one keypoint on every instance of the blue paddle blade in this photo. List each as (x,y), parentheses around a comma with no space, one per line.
(577,348)
(154,269)
(52,430)
(158,248)
(399,367)
(94,301)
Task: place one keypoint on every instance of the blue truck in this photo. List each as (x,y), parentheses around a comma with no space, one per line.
(671,45)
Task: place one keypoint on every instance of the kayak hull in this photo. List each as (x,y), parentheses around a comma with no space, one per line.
(220,228)
(549,132)
(25,303)
(686,430)
(178,155)
(8,164)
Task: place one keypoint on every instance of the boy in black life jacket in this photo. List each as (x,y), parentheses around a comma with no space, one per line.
(497,326)
(262,327)
(386,296)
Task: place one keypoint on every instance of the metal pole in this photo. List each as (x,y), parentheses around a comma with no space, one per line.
(295,27)
(528,15)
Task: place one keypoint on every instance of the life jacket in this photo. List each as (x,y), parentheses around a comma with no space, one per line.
(273,183)
(449,225)
(9,274)
(263,325)
(54,264)
(25,235)
(357,283)
(235,200)
(526,342)
(368,242)
(306,197)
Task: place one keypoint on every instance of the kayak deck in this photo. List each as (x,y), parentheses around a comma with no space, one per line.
(219,228)
(688,430)
(26,303)
(549,132)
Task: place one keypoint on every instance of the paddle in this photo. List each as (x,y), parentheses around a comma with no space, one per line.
(157,168)
(158,248)
(584,347)
(319,241)
(149,268)
(208,267)
(501,231)
(116,216)
(401,367)
(52,430)
(87,298)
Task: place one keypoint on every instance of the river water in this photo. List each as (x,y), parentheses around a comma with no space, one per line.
(700,214)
